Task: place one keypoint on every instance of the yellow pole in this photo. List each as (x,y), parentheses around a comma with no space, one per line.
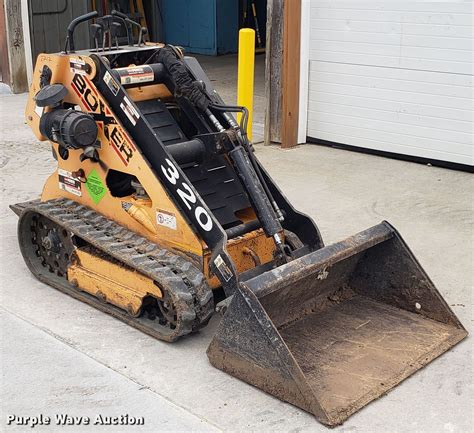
(245,75)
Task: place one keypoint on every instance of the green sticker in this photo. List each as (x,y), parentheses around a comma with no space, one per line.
(95,186)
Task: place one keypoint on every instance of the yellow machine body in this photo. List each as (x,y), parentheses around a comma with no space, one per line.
(142,216)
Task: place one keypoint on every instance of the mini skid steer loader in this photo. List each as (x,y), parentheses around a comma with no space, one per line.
(158,200)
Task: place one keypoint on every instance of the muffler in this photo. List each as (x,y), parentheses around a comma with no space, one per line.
(335,329)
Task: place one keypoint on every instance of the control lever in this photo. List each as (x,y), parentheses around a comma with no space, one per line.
(143,32)
(133,23)
(97,31)
(127,28)
(114,29)
(106,22)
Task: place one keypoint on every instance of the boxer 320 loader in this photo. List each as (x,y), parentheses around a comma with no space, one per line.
(158,200)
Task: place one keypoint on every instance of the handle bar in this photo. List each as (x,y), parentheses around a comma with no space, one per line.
(124,17)
(128,20)
(72,26)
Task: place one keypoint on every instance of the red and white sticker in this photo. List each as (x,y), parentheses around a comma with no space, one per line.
(129,111)
(77,66)
(69,183)
(166,219)
(137,75)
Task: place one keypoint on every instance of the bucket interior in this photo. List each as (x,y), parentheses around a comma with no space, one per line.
(353,351)
(359,324)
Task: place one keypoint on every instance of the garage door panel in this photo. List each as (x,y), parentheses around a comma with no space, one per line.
(354,58)
(409,29)
(391,61)
(381,127)
(446,54)
(355,26)
(401,49)
(395,147)
(405,6)
(382,49)
(394,106)
(435,30)
(401,117)
(438,42)
(348,36)
(358,135)
(367,11)
(397,74)
(322,36)
(388,95)
(393,76)
(379,82)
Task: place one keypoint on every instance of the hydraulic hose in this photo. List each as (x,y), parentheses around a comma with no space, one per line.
(243,128)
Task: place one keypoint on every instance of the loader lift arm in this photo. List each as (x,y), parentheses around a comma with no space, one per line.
(168,170)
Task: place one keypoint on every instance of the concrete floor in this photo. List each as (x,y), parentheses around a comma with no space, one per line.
(61,356)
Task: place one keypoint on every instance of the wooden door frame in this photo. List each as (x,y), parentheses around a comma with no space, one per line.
(4,47)
(283,73)
(18,79)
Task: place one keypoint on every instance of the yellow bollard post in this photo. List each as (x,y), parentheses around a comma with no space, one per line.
(245,75)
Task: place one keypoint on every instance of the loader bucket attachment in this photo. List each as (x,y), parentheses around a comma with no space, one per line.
(335,329)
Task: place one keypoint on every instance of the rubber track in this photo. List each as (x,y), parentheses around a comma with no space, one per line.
(184,282)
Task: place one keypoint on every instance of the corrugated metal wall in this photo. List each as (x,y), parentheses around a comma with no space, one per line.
(49,20)
(393,76)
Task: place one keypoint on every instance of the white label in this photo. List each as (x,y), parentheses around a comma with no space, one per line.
(223,268)
(166,219)
(137,75)
(111,83)
(77,66)
(77,60)
(69,183)
(39,111)
(130,111)
(219,261)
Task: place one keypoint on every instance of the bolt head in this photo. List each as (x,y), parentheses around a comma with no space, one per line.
(47,243)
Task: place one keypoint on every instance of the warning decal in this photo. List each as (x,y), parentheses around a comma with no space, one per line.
(95,187)
(77,66)
(137,74)
(69,183)
(223,268)
(129,110)
(166,219)
(111,83)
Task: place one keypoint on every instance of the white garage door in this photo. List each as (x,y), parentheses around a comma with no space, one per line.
(393,76)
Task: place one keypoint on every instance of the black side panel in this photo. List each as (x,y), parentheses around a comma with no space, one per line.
(214,179)
(220,188)
(161,121)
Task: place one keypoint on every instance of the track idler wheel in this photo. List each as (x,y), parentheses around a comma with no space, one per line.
(45,245)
